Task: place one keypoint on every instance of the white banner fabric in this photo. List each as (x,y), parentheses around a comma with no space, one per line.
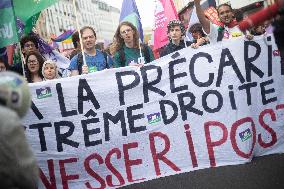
(197,108)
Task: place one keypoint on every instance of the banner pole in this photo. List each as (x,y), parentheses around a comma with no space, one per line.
(78,29)
(140,49)
(23,61)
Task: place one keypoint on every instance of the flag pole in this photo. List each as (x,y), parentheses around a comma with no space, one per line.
(185,42)
(141,60)
(140,50)
(78,29)
(23,61)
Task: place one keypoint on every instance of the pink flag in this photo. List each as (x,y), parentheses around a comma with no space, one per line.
(165,11)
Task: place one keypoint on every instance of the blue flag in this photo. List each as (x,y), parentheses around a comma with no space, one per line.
(129,12)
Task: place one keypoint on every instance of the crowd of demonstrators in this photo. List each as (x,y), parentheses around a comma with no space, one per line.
(176,32)
(17,164)
(95,59)
(127,47)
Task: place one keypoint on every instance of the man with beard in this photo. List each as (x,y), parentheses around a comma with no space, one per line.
(95,60)
(227,30)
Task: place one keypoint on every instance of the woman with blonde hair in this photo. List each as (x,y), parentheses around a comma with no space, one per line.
(49,70)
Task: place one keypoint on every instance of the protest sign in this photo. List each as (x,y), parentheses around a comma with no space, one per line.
(196,108)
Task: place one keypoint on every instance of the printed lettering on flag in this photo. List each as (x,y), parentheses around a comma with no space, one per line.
(212,15)
(164,12)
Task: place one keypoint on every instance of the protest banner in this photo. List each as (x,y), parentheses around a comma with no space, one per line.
(196,108)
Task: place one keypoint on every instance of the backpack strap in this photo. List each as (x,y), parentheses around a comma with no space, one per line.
(122,57)
(106,59)
(146,53)
(80,62)
(220,35)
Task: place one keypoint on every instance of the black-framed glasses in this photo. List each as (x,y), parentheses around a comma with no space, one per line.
(29,45)
(32,61)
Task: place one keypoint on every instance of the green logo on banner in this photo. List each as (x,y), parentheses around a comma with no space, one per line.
(43,92)
(245,135)
(154,118)
(92,69)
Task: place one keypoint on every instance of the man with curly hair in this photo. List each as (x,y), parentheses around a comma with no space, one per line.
(176,32)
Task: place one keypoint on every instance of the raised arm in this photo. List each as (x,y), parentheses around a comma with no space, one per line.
(201,16)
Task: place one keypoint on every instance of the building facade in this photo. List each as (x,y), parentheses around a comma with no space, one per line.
(61,17)
(236,4)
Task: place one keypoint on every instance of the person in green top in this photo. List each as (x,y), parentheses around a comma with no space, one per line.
(127,49)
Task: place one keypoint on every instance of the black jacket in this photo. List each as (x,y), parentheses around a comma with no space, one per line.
(169,48)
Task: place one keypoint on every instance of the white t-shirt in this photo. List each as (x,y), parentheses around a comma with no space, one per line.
(228,33)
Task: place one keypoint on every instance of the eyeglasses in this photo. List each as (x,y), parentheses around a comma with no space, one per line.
(126,31)
(29,45)
(32,62)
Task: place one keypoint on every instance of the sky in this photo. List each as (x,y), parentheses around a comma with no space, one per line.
(145,8)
